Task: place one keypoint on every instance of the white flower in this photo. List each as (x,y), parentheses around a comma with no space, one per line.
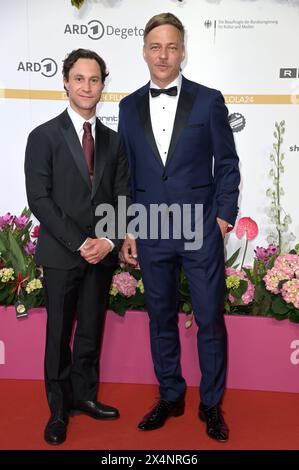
(6,274)
(33,285)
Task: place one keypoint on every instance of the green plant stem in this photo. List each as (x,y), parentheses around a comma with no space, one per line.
(278,187)
(246,245)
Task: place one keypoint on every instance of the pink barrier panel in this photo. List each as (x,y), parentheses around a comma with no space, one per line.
(263,352)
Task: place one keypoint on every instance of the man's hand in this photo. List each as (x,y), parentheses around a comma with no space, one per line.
(94,250)
(223,226)
(128,253)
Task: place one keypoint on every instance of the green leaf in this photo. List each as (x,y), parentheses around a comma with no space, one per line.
(186,307)
(3,243)
(232,259)
(279,306)
(294,315)
(16,257)
(240,290)
(249,274)
(77,3)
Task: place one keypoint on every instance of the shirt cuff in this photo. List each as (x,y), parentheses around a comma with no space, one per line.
(111,242)
(80,248)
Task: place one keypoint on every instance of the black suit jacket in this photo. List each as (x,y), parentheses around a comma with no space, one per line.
(60,193)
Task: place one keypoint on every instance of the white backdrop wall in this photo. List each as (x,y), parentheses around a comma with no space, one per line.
(237,46)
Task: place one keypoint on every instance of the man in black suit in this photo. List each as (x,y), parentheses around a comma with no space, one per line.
(74,163)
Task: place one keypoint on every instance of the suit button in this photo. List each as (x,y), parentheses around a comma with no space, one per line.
(164,178)
(89,227)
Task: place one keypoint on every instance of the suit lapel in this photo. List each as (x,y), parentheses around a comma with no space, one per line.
(71,137)
(101,154)
(186,101)
(144,112)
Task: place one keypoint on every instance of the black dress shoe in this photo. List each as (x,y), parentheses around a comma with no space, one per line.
(158,415)
(55,431)
(96,410)
(216,426)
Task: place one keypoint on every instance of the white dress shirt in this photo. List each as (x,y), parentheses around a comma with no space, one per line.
(163,111)
(78,122)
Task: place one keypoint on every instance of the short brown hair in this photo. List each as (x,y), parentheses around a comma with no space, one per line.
(73,56)
(161,19)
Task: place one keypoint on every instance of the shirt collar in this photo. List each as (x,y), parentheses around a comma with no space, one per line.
(177,82)
(78,120)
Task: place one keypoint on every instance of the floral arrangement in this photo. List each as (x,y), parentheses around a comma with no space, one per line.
(277,215)
(270,287)
(127,291)
(21,280)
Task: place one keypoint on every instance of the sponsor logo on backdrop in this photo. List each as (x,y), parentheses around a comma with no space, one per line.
(95,30)
(2,353)
(109,120)
(233,24)
(288,72)
(294,358)
(208,24)
(294,148)
(237,122)
(46,67)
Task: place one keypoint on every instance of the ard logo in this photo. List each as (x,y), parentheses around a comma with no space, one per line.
(2,353)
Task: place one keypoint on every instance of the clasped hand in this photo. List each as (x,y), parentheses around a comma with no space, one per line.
(94,250)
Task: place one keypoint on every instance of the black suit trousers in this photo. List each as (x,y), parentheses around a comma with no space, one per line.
(80,293)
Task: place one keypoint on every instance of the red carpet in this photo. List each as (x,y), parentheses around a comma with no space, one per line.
(257,420)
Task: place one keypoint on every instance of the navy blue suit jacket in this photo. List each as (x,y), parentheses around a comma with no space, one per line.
(202,163)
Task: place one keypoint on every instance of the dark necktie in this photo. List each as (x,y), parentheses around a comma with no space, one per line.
(88,147)
(172,91)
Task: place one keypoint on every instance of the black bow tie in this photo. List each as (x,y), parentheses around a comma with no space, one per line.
(172,91)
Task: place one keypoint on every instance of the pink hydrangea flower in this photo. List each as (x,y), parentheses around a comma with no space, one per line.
(290,292)
(125,284)
(248,295)
(285,267)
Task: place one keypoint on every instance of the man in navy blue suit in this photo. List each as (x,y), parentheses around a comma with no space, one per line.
(181,151)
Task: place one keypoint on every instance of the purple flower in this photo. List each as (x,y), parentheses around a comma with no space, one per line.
(264,254)
(21,222)
(30,248)
(6,220)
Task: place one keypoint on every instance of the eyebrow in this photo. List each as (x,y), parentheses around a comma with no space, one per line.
(159,44)
(79,75)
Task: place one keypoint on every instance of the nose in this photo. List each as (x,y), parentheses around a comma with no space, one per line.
(163,52)
(86,85)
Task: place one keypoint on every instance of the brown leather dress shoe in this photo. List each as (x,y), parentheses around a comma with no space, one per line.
(160,413)
(216,426)
(55,431)
(95,410)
